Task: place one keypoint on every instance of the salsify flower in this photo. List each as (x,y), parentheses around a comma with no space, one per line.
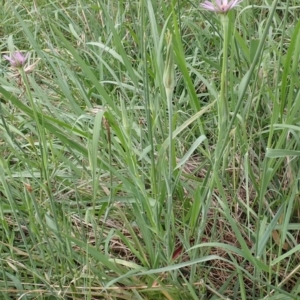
(220,6)
(17,59)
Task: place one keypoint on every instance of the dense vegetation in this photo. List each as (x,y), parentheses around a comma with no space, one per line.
(118,182)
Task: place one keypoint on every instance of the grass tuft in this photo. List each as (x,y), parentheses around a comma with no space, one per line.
(117,180)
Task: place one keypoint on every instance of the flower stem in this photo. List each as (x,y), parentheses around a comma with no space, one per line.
(223,120)
(169,83)
(223,110)
(169,216)
(223,95)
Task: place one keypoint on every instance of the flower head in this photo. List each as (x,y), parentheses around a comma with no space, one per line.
(220,6)
(17,59)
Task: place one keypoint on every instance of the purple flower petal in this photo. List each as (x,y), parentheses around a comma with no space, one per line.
(8,58)
(219,3)
(208,7)
(220,6)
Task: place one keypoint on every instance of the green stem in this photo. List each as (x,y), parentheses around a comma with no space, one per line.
(223,110)
(169,97)
(169,82)
(223,94)
(169,217)
(223,120)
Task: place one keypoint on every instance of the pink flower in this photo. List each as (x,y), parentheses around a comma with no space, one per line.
(17,59)
(220,6)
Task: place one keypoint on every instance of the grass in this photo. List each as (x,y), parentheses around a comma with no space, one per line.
(92,208)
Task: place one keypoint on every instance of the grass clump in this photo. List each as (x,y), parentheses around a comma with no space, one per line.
(120,183)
